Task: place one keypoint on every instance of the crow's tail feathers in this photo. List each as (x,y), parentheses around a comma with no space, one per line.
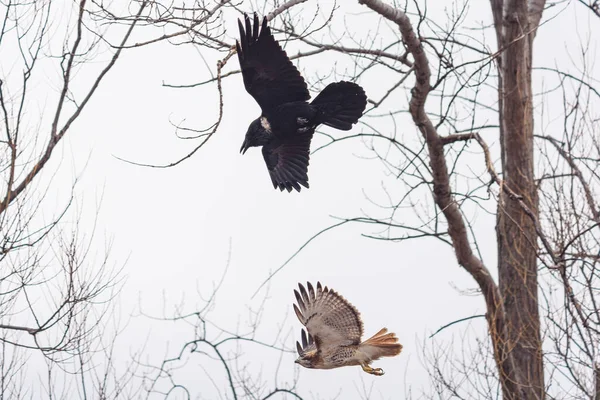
(340,105)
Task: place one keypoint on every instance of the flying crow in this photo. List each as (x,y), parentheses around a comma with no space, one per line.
(288,122)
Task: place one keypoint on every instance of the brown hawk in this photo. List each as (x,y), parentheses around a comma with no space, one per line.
(334,332)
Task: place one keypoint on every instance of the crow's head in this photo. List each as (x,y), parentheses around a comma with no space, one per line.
(259,134)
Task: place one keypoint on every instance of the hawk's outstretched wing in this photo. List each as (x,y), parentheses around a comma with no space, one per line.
(287,160)
(329,318)
(269,75)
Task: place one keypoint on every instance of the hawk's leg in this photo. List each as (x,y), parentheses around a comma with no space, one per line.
(373,371)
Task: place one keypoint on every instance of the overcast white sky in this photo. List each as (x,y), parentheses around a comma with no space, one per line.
(174,229)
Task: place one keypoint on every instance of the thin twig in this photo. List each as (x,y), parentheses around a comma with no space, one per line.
(456,322)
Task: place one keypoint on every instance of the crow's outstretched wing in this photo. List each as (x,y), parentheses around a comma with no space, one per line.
(269,75)
(287,160)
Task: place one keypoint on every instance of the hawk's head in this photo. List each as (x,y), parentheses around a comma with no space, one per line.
(307,360)
(308,352)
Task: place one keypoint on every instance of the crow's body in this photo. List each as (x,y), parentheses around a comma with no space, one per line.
(288,122)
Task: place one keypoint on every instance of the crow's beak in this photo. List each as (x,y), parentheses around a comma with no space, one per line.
(244,147)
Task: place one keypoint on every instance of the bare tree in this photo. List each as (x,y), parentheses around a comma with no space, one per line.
(478,149)
(36,253)
(462,94)
(56,294)
(513,309)
(543,186)
(54,288)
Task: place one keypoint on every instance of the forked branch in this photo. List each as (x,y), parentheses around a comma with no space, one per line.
(55,134)
(457,229)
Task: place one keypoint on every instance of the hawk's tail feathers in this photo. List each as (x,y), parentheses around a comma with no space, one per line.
(340,104)
(382,344)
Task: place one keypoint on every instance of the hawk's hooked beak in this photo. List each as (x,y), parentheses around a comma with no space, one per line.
(244,147)
(297,361)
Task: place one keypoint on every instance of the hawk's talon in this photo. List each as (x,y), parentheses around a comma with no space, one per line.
(373,371)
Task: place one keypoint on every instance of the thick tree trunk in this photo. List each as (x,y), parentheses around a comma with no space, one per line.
(597,380)
(512,307)
(517,239)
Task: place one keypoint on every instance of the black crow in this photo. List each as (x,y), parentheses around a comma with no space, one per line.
(288,122)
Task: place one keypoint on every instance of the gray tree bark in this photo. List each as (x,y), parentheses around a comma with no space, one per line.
(516,23)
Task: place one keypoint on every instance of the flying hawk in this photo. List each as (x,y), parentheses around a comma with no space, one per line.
(287,122)
(334,332)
